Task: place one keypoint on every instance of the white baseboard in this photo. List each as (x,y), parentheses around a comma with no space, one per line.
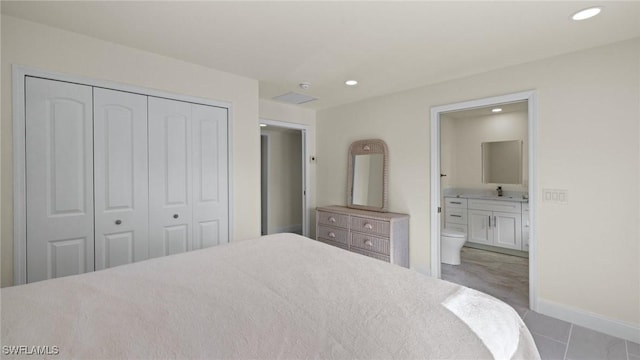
(424,270)
(295,228)
(618,328)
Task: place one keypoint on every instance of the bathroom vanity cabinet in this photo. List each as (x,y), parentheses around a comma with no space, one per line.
(490,222)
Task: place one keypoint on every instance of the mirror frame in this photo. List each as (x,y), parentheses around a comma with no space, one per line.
(363,147)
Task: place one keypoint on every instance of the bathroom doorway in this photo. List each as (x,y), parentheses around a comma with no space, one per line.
(483,169)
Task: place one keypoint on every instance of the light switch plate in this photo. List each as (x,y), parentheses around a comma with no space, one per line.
(556,196)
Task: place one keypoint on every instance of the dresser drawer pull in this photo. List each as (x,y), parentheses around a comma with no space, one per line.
(456,216)
(368,226)
(332,235)
(456,202)
(332,219)
(368,243)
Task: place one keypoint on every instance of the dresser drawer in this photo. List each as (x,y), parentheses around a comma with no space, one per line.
(371,254)
(333,234)
(333,219)
(455,216)
(333,243)
(370,243)
(370,226)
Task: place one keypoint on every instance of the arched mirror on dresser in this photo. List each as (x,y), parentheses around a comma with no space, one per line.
(365,226)
(368,175)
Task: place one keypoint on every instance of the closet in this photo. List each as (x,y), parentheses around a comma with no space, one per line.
(115,177)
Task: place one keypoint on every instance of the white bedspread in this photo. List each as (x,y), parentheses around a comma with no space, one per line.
(279,296)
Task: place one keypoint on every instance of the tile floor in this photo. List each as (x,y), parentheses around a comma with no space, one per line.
(503,276)
(506,277)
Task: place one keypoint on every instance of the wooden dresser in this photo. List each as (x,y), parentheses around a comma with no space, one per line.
(384,236)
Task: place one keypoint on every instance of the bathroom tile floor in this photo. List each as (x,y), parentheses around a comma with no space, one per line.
(506,277)
(503,276)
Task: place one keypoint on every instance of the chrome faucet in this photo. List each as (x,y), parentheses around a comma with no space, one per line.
(499,190)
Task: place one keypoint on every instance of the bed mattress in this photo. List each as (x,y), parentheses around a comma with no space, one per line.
(278,296)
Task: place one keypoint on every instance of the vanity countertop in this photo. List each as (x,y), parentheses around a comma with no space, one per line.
(491,197)
(483,195)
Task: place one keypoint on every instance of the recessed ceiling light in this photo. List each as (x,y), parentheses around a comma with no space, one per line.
(263,125)
(587,13)
(496,110)
(351,82)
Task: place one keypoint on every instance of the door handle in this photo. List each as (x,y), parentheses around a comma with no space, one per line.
(489,220)
(175,216)
(118,222)
(495,222)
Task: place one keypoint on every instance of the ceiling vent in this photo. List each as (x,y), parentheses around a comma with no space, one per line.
(294,98)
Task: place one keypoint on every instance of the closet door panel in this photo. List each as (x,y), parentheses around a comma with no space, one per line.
(115,249)
(59,176)
(121,177)
(170,177)
(210,168)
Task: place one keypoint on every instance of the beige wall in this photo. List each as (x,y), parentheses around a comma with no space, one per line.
(460,141)
(588,142)
(272,110)
(50,49)
(285,179)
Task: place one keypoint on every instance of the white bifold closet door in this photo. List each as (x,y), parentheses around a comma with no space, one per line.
(114,177)
(59,178)
(187,176)
(120,177)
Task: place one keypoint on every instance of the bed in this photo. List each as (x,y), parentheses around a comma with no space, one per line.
(277,296)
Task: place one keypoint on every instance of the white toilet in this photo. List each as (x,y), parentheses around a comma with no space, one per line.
(451,244)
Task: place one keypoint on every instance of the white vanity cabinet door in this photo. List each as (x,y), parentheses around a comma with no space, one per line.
(507,231)
(120,177)
(59,179)
(497,223)
(480,226)
(170,177)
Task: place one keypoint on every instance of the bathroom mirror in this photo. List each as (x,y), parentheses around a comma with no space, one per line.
(502,162)
(368,175)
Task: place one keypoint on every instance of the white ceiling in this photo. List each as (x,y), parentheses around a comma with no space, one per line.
(387,46)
